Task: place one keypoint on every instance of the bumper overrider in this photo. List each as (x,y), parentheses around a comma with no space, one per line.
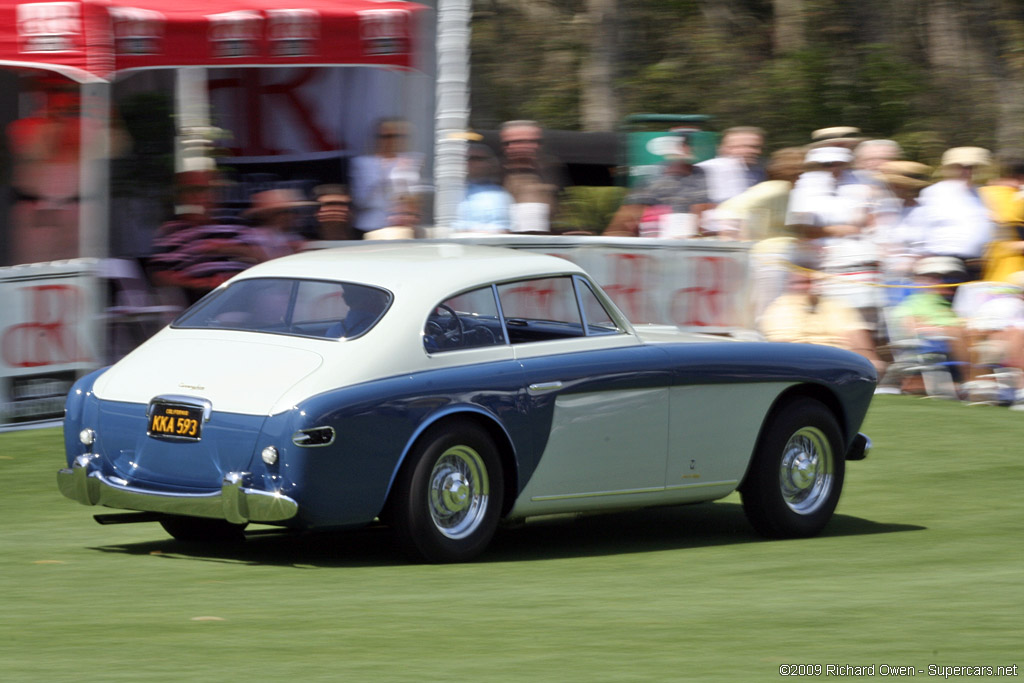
(860,447)
(236,502)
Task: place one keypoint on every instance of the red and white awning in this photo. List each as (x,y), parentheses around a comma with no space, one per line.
(94,40)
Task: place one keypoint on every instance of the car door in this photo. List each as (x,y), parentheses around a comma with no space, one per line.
(599,397)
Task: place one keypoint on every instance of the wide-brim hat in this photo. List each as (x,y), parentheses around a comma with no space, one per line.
(281,199)
(909,174)
(330,190)
(391,233)
(829,155)
(833,135)
(966,156)
(939,265)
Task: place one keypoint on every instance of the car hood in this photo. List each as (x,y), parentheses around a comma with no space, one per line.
(236,376)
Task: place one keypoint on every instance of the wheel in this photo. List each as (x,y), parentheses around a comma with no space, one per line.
(203,529)
(796,475)
(447,498)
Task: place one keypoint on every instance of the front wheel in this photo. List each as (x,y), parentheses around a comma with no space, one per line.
(796,475)
(447,498)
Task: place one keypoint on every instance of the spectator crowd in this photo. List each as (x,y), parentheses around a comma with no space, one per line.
(918,268)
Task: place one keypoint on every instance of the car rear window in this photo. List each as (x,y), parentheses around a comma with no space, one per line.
(311,308)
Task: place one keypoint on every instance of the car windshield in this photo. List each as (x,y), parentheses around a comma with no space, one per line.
(311,308)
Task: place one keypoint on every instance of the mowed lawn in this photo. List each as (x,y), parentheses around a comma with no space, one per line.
(923,565)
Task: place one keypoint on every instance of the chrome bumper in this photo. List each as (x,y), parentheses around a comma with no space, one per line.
(234,502)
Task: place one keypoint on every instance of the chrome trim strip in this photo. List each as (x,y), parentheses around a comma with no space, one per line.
(706,484)
(235,502)
(626,492)
(543,387)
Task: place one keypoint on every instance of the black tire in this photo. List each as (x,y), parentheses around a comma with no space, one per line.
(447,499)
(796,475)
(203,529)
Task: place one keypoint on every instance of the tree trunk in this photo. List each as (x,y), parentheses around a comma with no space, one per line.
(599,105)
(1010,86)
(789,23)
(947,43)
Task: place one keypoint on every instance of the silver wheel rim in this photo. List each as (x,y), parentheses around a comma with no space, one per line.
(806,476)
(459,492)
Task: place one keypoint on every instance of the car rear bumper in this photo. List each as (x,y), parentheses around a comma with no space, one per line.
(235,502)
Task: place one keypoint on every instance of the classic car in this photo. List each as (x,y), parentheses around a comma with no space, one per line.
(442,389)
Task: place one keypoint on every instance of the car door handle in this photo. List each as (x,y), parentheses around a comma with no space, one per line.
(543,388)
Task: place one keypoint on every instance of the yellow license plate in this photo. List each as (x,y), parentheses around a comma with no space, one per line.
(176,421)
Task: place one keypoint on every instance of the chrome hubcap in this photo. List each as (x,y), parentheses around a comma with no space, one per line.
(806,475)
(459,492)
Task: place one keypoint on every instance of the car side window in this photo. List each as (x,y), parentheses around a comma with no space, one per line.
(540,309)
(469,320)
(599,320)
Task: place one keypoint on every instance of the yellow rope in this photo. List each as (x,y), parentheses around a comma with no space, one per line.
(820,274)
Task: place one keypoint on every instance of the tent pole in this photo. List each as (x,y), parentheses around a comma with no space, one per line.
(94,171)
(452,116)
(193,142)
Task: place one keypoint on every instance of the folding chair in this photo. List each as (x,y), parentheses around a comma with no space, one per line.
(915,355)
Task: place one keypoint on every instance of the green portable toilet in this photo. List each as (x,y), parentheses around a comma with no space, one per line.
(650,136)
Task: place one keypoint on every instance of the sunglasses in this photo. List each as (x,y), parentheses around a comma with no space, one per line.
(336,203)
(391,135)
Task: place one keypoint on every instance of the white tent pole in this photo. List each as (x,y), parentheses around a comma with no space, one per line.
(94,170)
(193,141)
(452,109)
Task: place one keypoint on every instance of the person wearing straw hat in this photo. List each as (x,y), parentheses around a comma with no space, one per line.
(829,210)
(195,251)
(807,315)
(334,213)
(958,223)
(837,136)
(899,219)
(274,224)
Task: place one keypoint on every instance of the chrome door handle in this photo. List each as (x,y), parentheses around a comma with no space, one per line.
(543,388)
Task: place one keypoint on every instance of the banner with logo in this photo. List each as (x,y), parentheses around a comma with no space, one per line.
(50,335)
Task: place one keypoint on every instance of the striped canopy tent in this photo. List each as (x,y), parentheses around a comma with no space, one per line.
(92,40)
(90,44)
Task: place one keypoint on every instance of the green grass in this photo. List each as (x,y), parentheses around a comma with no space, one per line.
(922,565)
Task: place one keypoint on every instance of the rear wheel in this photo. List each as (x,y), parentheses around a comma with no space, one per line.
(203,529)
(796,476)
(447,498)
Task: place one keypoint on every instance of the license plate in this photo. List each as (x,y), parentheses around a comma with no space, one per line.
(175,421)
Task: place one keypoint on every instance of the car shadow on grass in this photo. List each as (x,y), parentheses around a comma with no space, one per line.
(639,531)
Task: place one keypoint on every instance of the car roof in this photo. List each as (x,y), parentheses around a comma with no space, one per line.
(439,267)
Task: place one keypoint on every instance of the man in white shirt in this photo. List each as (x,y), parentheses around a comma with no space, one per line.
(958,222)
(737,165)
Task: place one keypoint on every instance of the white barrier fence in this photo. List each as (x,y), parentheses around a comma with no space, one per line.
(52,322)
(701,285)
(50,334)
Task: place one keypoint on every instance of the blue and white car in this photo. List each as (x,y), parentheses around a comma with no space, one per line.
(446,388)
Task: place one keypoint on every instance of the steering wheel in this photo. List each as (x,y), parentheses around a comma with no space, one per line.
(448,329)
